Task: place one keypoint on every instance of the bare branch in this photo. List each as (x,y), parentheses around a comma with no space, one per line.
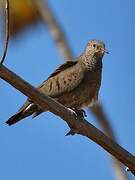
(7,32)
(49,19)
(102,119)
(62,44)
(80,125)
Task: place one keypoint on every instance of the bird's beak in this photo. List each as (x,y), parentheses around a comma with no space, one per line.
(104,51)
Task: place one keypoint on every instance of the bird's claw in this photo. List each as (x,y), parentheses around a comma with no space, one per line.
(77,112)
(80,112)
(72,111)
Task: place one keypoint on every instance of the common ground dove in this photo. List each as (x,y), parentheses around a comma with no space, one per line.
(75,83)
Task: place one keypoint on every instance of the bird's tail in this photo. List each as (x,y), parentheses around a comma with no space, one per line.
(18,116)
(15,118)
(26,110)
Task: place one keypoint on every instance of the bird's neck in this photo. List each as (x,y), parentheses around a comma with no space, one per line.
(92,62)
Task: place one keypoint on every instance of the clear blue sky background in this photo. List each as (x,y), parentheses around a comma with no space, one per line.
(37,149)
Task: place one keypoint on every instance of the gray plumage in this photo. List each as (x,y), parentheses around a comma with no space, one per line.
(75,84)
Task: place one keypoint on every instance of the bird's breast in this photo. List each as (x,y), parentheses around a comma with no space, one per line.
(85,94)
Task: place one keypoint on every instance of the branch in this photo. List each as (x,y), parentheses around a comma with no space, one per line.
(81,126)
(98,111)
(7,32)
(48,18)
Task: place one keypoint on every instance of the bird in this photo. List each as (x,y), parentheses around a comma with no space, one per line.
(75,84)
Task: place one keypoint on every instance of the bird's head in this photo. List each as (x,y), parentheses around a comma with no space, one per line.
(95,48)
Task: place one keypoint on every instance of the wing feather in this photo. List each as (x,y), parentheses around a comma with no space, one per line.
(64,79)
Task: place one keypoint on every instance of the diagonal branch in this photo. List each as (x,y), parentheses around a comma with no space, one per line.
(98,111)
(7,32)
(47,16)
(62,44)
(81,126)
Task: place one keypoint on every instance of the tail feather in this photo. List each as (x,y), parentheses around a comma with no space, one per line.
(35,114)
(15,118)
(27,109)
(24,112)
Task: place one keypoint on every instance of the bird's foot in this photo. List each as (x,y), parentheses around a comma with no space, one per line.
(72,111)
(80,112)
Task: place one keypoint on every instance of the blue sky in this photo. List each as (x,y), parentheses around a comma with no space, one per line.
(37,148)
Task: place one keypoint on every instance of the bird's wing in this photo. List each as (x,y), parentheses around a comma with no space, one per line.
(63,67)
(64,79)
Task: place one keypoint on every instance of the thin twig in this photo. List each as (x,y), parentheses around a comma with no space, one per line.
(80,125)
(6,33)
(48,18)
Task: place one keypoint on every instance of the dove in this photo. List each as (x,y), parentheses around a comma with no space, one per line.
(75,84)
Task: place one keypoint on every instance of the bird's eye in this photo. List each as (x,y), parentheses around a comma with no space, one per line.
(94,45)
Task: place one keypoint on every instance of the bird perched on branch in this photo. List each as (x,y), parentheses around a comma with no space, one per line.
(75,84)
